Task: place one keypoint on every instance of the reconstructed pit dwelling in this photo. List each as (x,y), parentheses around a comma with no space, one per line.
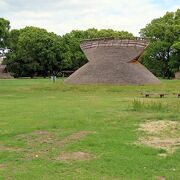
(113,61)
(3,72)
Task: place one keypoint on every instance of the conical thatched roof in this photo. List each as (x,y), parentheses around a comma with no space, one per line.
(3,73)
(113,61)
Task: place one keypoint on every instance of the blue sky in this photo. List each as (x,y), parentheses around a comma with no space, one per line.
(62,16)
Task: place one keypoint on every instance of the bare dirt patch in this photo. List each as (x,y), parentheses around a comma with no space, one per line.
(41,143)
(75,137)
(169,144)
(64,156)
(161,134)
(160,178)
(2,166)
(45,137)
(40,137)
(158,126)
(8,148)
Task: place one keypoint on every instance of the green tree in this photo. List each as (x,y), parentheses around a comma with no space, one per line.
(164,33)
(35,52)
(13,39)
(175,59)
(4,32)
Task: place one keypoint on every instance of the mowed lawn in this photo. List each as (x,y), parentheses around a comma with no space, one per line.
(57,131)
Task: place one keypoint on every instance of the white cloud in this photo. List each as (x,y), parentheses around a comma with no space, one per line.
(61,16)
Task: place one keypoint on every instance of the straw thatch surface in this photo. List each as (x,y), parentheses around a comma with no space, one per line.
(113,61)
(3,73)
(177,75)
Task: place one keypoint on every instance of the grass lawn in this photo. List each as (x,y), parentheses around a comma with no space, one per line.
(57,131)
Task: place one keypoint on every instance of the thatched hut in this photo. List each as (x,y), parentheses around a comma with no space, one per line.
(177,75)
(113,61)
(3,72)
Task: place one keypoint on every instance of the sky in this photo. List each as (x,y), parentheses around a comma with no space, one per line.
(62,16)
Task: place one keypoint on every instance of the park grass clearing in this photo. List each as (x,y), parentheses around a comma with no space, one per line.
(57,131)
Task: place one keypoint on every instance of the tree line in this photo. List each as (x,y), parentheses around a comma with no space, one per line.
(37,52)
(162,56)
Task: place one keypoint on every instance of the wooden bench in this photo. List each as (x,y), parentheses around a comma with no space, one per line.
(177,94)
(161,95)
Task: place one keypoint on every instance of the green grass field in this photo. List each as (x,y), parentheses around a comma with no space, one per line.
(56,131)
